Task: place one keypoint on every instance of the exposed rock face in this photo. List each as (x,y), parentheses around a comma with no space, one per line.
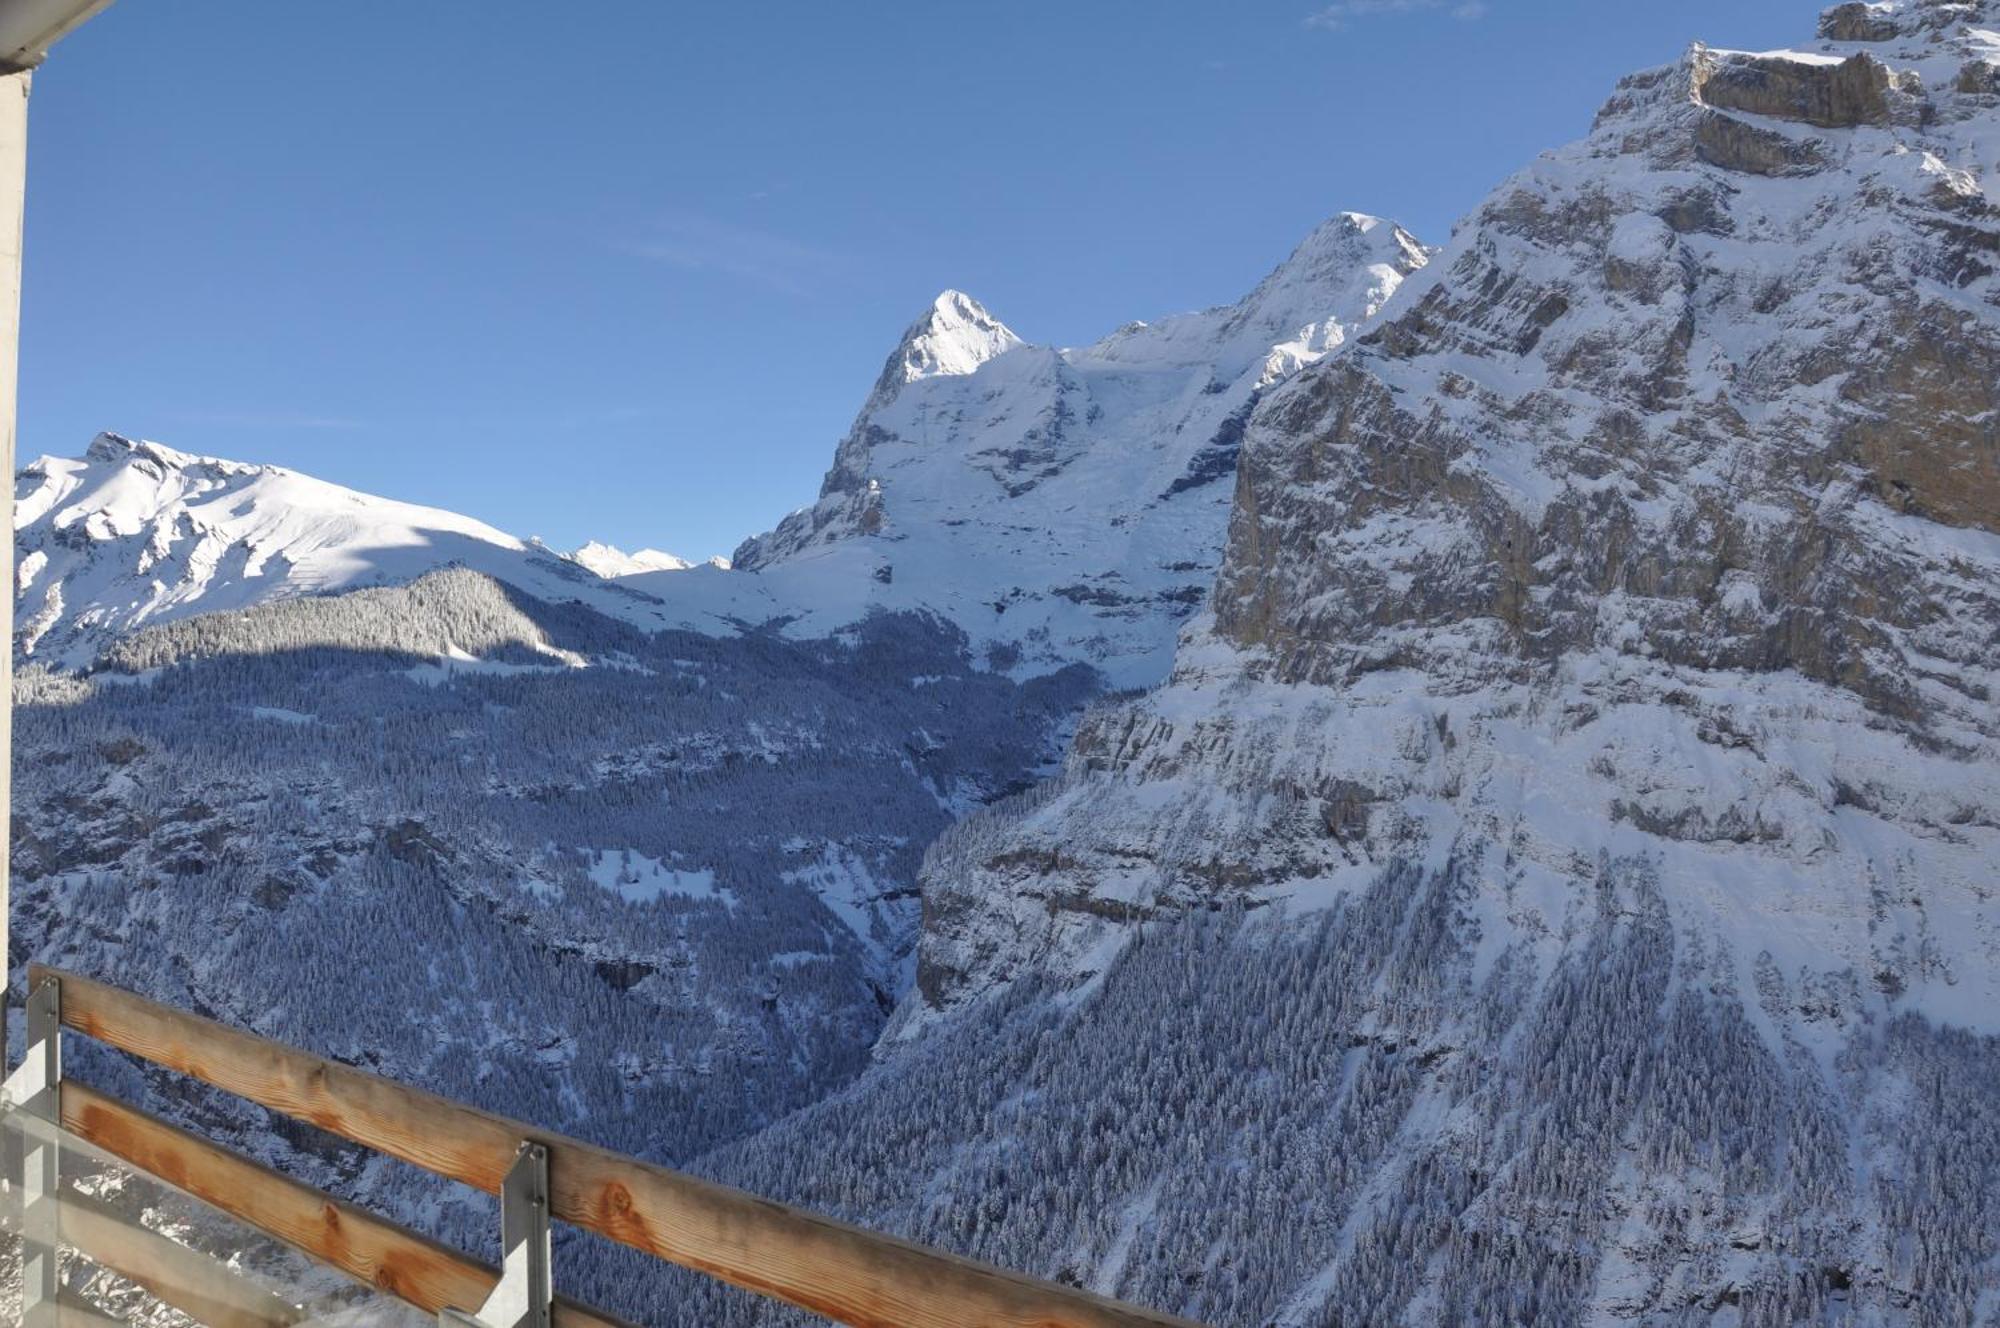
(1854,91)
(1623,608)
(1858,22)
(1724,140)
(1751,113)
(1839,372)
(1645,411)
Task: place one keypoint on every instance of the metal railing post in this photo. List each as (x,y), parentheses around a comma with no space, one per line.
(34,1090)
(525,1292)
(34,1083)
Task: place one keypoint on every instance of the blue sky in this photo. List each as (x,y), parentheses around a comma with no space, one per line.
(629,279)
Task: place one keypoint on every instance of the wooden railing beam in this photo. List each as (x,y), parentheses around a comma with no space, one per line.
(848,1274)
(369,1249)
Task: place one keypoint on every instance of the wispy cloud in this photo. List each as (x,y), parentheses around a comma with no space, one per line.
(695,242)
(1339,14)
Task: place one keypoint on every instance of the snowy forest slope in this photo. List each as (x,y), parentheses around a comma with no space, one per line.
(654,889)
(1560,882)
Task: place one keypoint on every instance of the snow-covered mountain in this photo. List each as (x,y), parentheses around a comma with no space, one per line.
(133,534)
(1560,882)
(1555,884)
(1058,506)
(1691,431)
(609,561)
(1064,505)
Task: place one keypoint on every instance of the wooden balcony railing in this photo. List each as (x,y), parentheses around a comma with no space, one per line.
(848,1274)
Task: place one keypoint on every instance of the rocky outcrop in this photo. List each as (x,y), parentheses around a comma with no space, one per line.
(1858,22)
(1632,589)
(1829,95)
(1921,423)
(1725,141)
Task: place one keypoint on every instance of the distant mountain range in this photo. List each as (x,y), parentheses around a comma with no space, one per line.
(611,562)
(1057,506)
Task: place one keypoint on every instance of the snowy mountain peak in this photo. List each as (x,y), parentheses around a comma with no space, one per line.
(113,449)
(1351,241)
(954,336)
(1356,233)
(1070,498)
(609,561)
(1339,276)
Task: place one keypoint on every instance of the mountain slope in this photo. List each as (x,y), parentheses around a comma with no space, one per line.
(1565,857)
(654,889)
(1065,504)
(1658,454)
(285,712)
(134,533)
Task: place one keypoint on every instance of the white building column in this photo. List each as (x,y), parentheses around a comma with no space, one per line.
(13,196)
(27,29)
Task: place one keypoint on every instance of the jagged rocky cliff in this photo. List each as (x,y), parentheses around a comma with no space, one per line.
(1066,505)
(1560,882)
(1683,471)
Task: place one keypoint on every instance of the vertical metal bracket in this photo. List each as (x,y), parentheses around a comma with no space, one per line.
(34,1083)
(34,1089)
(525,1291)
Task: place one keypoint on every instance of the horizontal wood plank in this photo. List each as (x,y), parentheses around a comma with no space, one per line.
(369,1249)
(849,1274)
(197,1285)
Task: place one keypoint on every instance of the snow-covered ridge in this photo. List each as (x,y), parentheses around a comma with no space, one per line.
(1059,506)
(1339,276)
(611,562)
(134,533)
(1065,505)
